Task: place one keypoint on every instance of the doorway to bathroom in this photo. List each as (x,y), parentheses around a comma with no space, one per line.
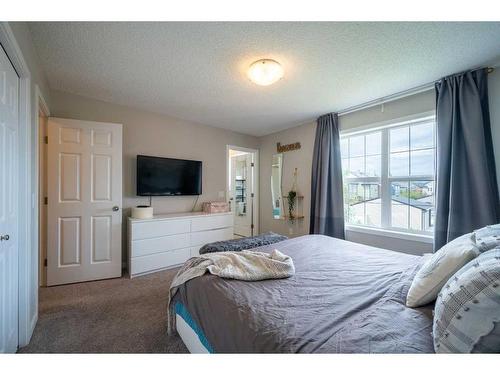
(242,189)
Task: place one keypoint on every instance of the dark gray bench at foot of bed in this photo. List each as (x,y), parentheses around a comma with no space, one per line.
(245,243)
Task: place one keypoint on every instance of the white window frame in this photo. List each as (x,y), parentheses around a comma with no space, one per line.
(385,180)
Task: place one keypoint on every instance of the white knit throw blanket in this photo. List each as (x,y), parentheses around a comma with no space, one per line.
(240,265)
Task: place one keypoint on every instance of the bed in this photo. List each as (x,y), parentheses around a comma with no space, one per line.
(344,298)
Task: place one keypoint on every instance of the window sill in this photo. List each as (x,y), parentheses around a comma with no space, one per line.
(391,233)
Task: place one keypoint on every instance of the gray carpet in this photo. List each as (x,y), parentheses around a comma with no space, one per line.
(108,316)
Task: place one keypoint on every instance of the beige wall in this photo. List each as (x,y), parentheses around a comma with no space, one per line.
(23,38)
(158,135)
(302,159)
(419,103)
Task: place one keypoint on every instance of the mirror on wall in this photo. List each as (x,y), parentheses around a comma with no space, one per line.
(240,185)
(276,193)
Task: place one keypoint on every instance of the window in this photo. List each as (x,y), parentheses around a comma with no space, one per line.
(389,176)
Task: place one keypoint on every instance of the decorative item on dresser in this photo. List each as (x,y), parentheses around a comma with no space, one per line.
(142,212)
(166,241)
(215,207)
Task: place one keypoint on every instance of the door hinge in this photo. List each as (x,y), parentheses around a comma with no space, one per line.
(252,195)
(46,139)
(45,200)
(252,164)
(45,262)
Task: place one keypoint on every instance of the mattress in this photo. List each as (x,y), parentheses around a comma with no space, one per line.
(344,298)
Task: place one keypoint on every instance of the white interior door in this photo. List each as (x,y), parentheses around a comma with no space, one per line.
(84,201)
(9,114)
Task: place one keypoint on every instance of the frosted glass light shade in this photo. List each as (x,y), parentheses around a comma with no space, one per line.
(265,72)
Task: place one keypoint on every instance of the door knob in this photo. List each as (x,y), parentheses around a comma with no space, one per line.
(116,208)
(5,237)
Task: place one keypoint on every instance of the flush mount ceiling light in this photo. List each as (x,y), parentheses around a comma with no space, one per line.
(265,72)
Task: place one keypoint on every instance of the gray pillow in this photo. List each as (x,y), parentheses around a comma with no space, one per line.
(467,310)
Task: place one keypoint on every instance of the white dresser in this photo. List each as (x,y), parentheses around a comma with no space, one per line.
(169,240)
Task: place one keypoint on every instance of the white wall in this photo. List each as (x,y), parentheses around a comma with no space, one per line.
(158,135)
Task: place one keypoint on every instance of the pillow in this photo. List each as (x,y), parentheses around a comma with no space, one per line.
(488,243)
(467,312)
(488,237)
(436,271)
(488,231)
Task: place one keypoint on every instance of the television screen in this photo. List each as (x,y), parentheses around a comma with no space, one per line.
(165,176)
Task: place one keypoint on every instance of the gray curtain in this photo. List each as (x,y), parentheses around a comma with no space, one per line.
(467,191)
(327,203)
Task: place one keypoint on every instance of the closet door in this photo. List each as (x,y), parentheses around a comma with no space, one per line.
(9,251)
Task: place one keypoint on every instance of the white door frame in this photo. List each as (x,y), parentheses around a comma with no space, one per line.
(256,200)
(28,249)
(40,106)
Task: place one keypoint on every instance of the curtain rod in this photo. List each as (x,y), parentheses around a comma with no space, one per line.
(389,98)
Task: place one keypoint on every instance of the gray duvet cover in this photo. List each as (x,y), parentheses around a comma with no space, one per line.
(344,298)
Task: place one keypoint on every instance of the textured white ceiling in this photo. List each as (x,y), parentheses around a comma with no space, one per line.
(197,71)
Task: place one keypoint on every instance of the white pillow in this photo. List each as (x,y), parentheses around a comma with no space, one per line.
(467,312)
(436,271)
(488,237)
(487,231)
(487,243)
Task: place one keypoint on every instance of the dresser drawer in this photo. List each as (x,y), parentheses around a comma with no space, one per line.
(202,238)
(158,261)
(159,228)
(211,222)
(159,244)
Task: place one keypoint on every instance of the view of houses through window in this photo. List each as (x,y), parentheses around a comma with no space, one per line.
(389,176)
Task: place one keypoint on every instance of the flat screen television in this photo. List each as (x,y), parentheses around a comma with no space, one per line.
(164,176)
